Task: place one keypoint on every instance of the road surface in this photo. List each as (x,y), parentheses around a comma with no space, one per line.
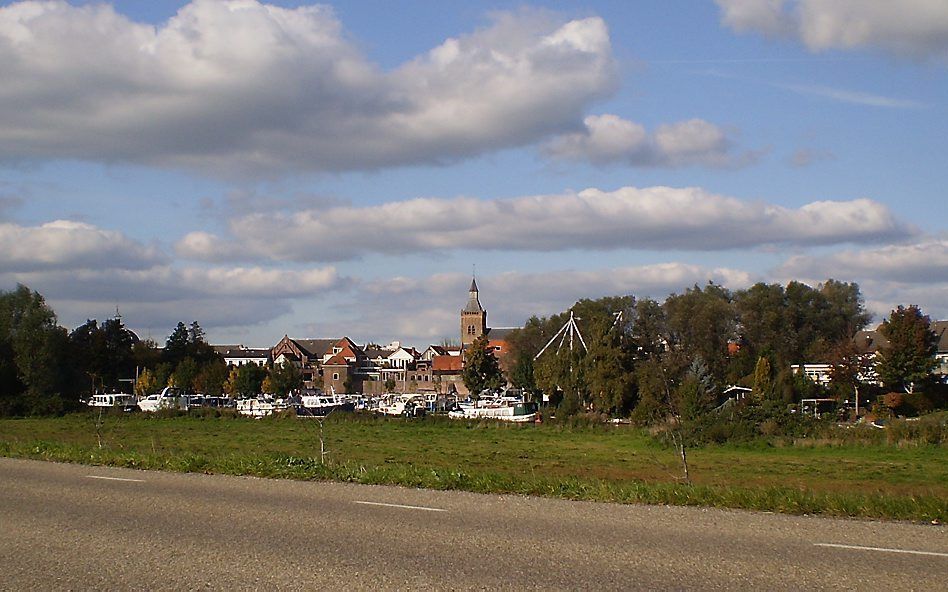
(73,527)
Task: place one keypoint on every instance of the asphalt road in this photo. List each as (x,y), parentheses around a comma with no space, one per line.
(72,527)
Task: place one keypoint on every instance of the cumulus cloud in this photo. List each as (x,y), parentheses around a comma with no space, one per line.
(166,284)
(650,218)
(63,244)
(914,28)
(922,262)
(153,300)
(428,307)
(84,271)
(610,139)
(238,86)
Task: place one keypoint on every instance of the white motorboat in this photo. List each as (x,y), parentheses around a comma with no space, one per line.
(322,405)
(260,406)
(122,401)
(504,410)
(410,405)
(169,398)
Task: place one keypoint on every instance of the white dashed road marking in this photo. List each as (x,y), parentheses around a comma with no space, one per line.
(881,549)
(404,507)
(114,478)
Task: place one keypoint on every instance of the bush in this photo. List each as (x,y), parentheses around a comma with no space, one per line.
(930,429)
(746,422)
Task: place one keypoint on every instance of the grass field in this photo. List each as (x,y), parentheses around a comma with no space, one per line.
(620,464)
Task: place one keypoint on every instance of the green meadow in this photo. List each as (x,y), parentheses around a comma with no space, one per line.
(867,477)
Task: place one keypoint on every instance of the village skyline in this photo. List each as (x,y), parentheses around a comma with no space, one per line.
(317,170)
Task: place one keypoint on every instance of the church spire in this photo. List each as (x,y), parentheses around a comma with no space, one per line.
(473,317)
(473,302)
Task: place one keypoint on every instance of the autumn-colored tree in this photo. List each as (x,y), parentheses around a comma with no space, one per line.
(146,383)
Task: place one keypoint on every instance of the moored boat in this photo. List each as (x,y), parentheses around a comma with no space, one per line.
(122,401)
(322,405)
(516,411)
(169,398)
(260,406)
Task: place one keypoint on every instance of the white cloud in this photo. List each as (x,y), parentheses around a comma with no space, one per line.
(428,306)
(167,284)
(86,272)
(913,28)
(765,16)
(922,262)
(63,244)
(627,218)
(241,86)
(610,139)
(910,273)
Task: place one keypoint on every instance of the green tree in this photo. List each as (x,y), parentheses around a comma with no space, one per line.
(797,323)
(177,346)
(696,395)
(33,348)
(285,378)
(763,379)
(103,353)
(249,380)
(211,377)
(521,375)
(481,370)
(185,373)
(608,369)
(700,324)
(909,357)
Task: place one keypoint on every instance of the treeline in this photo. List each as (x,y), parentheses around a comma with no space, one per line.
(651,360)
(45,369)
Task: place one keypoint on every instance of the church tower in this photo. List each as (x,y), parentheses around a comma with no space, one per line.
(473,318)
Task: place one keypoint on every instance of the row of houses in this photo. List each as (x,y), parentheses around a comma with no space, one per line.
(868,343)
(340,365)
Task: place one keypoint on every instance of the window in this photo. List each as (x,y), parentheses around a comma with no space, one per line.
(497,348)
(335,376)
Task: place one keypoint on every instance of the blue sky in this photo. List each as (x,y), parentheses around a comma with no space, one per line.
(320,170)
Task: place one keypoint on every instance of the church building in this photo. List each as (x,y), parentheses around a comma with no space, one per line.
(474,324)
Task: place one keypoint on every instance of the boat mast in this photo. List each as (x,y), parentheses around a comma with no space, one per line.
(570,329)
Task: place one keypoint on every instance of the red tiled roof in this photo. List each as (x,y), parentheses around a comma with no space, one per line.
(446,363)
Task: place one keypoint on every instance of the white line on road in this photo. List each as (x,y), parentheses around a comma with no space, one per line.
(402,506)
(114,478)
(882,549)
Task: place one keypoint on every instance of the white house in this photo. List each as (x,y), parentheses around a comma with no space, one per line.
(238,355)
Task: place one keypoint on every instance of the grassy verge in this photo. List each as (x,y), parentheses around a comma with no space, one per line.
(614,464)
